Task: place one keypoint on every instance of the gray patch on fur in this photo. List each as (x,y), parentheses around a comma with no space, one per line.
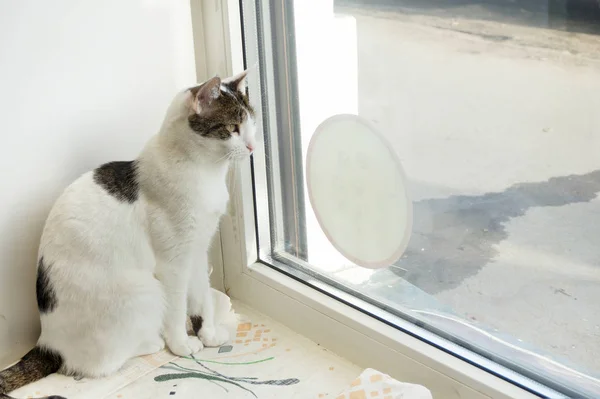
(46,296)
(119,179)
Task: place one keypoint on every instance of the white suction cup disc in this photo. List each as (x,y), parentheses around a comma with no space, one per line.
(358,191)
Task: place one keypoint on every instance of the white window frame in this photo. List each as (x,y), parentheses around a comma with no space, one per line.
(344,330)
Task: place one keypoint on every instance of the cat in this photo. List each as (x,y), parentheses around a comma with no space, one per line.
(123,256)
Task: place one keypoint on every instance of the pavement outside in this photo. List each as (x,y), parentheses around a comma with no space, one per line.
(497,123)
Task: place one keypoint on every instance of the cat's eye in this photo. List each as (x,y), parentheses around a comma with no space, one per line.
(232,128)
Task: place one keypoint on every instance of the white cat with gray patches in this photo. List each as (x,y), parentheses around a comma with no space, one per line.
(123,256)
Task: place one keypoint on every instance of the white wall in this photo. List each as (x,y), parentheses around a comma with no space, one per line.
(81,83)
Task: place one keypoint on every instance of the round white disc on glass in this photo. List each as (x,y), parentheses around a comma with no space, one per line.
(358,191)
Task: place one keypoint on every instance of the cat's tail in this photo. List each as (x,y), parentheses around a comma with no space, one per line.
(4,396)
(35,365)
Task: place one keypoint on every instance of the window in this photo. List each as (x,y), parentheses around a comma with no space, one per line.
(493,108)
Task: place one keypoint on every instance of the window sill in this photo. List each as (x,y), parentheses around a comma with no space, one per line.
(363,339)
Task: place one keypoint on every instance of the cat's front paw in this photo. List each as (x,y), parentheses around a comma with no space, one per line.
(213,336)
(186,347)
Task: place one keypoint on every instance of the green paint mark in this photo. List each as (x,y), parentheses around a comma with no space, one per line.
(201,376)
(231,364)
(181,368)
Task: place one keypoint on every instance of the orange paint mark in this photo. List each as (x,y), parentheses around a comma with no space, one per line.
(374,394)
(331,368)
(239,341)
(256,339)
(264,345)
(356,382)
(388,397)
(387,390)
(244,327)
(376,377)
(241,334)
(267,331)
(358,395)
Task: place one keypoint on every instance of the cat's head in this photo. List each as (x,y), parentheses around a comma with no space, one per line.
(221,117)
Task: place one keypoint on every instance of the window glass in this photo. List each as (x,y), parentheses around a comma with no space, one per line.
(493,107)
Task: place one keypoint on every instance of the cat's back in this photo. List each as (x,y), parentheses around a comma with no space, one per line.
(98,217)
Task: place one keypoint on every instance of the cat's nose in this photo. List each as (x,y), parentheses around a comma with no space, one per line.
(250,147)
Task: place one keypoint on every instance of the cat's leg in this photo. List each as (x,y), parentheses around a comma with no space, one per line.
(174,274)
(151,346)
(147,327)
(210,333)
(97,334)
(201,306)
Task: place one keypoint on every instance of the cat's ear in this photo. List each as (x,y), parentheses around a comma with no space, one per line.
(206,93)
(237,82)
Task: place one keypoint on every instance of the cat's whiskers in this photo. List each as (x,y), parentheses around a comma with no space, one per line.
(231,178)
(228,155)
(234,176)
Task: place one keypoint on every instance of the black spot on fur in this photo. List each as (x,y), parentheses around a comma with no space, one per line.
(35,365)
(119,179)
(46,296)
(196,323)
